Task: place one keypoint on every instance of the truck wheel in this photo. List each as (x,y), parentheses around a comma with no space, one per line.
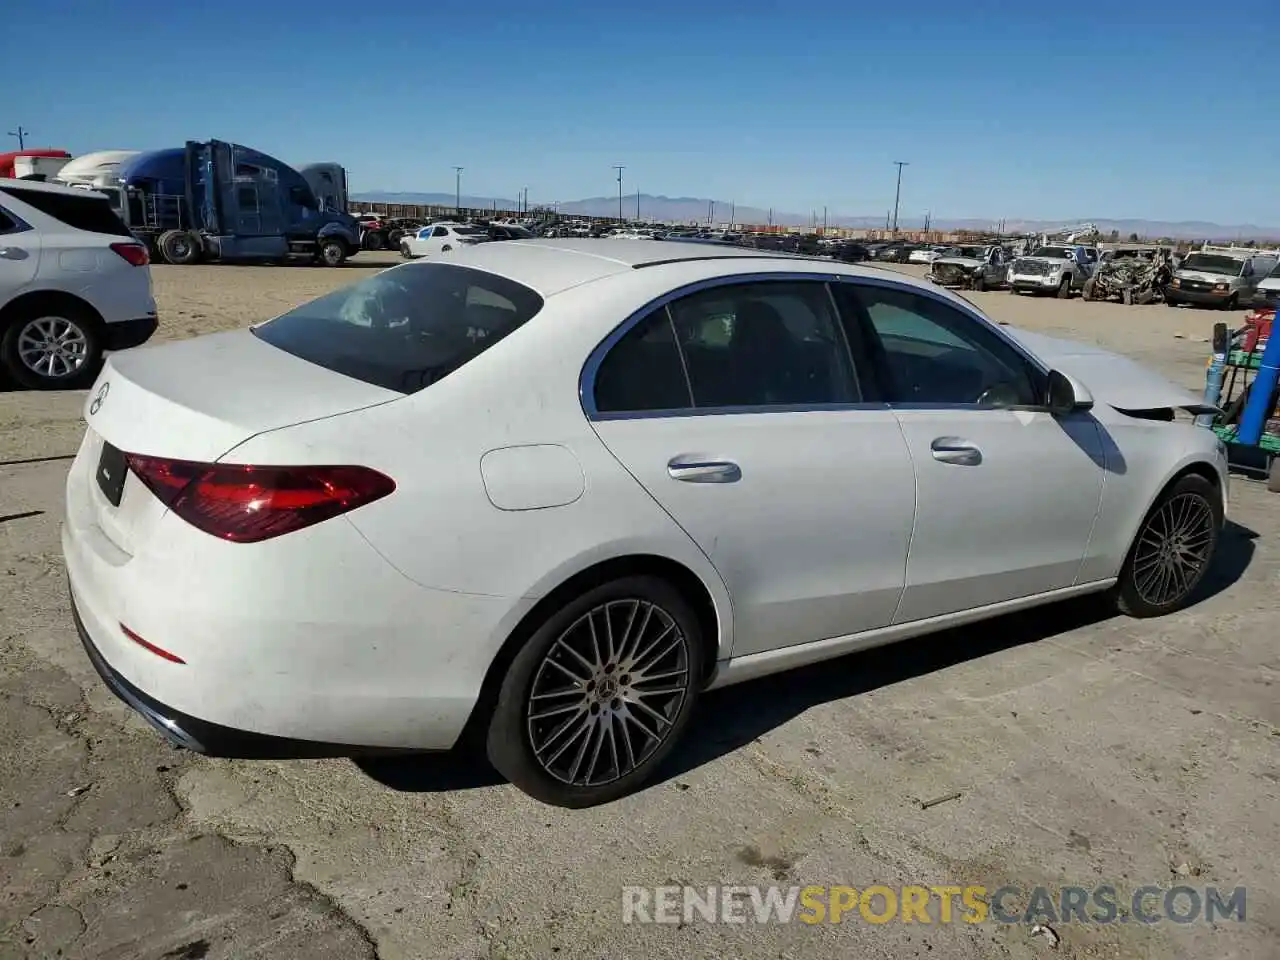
(1064,289)
(979,282)
(333,253)
(375,241)
(178,247)
(1090,287)
(1233,303)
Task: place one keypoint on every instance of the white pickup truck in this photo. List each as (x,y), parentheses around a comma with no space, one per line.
(1059,269)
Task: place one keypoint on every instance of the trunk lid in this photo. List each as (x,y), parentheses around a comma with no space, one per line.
(192,400)
(196,399)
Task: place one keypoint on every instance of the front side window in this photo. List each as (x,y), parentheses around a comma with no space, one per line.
(764,344)
(440,232)
(405,328)
(927,352)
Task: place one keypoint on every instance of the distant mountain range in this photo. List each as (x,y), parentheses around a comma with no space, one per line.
(697,209)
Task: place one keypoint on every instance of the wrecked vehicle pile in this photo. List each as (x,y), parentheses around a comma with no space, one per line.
(1129,280)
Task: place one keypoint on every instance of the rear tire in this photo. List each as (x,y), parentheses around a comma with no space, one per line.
(604,748)
(178,247)
(66,338)
(1172,551)
(375,241)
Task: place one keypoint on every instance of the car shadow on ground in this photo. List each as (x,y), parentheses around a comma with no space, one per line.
(735,716)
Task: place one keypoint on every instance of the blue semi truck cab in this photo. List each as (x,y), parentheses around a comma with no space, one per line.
(211,200)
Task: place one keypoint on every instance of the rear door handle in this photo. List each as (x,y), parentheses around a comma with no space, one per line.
(956,450)
(13,253)
(704,471)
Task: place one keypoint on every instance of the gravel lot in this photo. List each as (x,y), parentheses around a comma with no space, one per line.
(1085,749)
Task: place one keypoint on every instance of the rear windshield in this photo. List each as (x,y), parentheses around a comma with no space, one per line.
(405,328)
(90,211)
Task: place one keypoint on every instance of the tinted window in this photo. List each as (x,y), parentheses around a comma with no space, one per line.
(643,370)
(925,351)
(405,328)
(6,222)
(763,344)
(440,232)
(88,212)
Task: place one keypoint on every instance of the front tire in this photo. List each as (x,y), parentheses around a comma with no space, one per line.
(333,252)
(1173,550)
(599,695)
(1064,289)
(52,348)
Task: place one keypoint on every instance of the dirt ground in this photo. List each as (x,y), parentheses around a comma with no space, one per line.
(1078,748)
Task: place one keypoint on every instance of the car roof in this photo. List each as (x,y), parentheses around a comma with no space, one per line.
(40,186)
(550,266)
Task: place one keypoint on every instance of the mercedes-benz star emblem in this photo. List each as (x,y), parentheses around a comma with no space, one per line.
(99,397)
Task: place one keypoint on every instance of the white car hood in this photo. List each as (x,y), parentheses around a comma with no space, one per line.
(1112,379)
(959,261)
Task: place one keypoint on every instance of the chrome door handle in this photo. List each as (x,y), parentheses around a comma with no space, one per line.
(13,253)
(704,471)
(956,450)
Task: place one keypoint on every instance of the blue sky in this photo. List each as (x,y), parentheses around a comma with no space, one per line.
(1004,108)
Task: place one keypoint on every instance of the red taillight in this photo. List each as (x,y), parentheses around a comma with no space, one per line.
(246,504)
(135,253)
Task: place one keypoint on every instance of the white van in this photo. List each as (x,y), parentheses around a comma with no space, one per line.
(1223,277)
(1268,292)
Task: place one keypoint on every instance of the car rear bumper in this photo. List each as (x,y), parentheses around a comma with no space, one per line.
(342,655)
(124,334)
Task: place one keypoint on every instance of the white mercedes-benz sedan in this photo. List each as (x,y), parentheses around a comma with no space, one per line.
(548,492)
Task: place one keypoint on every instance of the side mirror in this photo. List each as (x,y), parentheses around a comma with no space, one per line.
(1067,394)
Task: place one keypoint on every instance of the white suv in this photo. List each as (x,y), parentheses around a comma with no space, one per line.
(74,283)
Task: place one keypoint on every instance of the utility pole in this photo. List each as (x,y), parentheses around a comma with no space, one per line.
(824,221)
(457,190)
(897,194)
(733,212)
(771,216)
(524,200)
(21,134)
(637,206)
(619,167)
(711,211)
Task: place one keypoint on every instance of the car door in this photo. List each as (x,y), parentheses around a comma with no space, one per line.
(19,253)
(995,269)
(1006,493)
(738,409)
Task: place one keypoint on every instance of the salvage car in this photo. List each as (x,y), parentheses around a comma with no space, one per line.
(1219,277)
(971,267)
(536,498)
(1056,269)
(441,238)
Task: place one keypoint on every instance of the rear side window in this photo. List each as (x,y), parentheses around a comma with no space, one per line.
(406,328)
(90,212)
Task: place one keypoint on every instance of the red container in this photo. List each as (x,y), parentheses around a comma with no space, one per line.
(1258,325)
